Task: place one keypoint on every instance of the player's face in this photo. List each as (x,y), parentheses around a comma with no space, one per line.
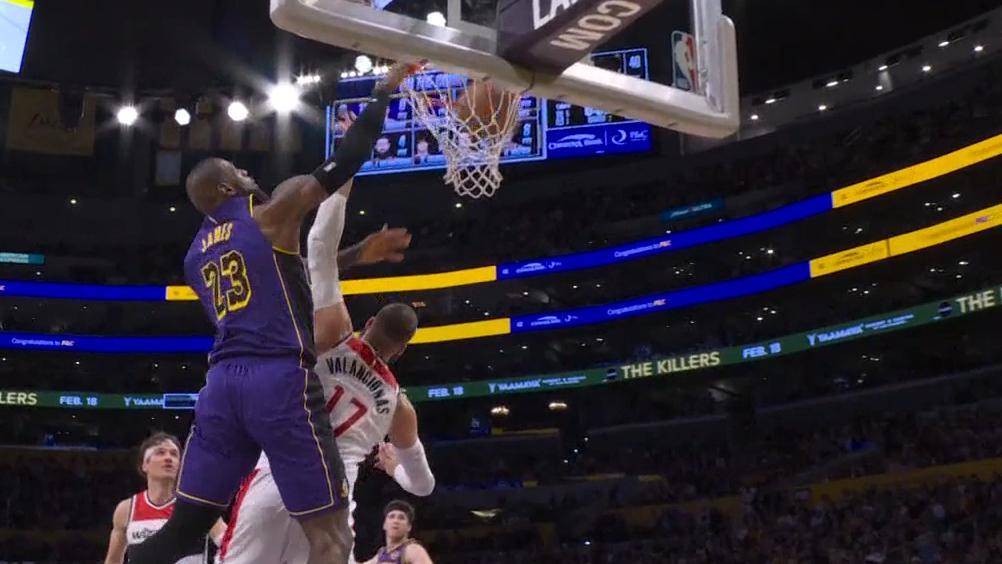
(396,525)
(243,183)
(163,461)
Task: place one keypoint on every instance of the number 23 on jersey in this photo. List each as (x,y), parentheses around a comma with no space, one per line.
(232,267)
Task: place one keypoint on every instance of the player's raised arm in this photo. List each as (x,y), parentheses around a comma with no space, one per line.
(331,321)
(281,217)
(404,458)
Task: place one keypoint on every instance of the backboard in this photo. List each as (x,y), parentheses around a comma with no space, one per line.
(470,48)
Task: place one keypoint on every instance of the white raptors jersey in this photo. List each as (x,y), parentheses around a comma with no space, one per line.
(361,394)
(145,519)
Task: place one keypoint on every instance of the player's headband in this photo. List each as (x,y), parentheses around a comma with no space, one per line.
(148,453)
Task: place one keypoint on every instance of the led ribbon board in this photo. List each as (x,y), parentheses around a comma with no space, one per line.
(910,318)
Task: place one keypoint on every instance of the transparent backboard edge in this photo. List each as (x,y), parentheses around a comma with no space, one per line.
(392,36)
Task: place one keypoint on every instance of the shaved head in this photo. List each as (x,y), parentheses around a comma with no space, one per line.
(214,180)
(391,330)
(203,183)
(397,322)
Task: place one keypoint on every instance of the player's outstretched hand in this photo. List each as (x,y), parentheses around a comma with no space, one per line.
(386,458)
(398,72)
(385,245)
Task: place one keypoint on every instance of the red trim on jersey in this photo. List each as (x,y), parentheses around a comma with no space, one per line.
(143,509)
(369,357)
(224,545)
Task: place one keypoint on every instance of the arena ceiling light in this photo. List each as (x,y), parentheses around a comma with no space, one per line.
(284,97)
(307,79)
(944,43)
(822,107)
(127,115)
(979,48)
(363,64)
(882,68)
(237,111)
(926,68)
(436,18)
(182,117)
(754,117)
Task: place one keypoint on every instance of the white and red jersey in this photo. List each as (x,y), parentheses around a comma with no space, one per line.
(146,518)
(361,394)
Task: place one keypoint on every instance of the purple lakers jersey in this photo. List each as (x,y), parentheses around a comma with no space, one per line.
(395,556)
(257,296)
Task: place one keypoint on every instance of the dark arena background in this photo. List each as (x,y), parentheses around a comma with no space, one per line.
(648,347)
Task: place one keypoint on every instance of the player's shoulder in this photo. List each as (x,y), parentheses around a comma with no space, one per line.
(403,400)
(122,510)
(414,549)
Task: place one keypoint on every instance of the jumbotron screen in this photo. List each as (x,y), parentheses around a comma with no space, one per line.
(15,18)
(547,129)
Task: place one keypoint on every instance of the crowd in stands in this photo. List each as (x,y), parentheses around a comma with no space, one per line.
(756,469)
(953,520)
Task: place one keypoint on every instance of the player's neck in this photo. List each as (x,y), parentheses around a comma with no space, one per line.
(377,347)
(393,544)
(160,491)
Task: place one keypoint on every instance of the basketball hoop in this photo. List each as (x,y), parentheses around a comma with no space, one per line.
(473,127)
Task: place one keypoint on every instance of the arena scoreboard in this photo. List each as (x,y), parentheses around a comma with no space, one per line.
(547,129)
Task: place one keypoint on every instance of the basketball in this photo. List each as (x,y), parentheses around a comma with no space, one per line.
(487,103)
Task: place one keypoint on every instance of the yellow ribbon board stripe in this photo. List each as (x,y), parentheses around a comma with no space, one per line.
(420,281)
(381,285)
(850,258)
(945,164)
(459,331)
(180,294)
(946,231)
(30,4)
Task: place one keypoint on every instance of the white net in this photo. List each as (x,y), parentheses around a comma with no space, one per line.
(473,127)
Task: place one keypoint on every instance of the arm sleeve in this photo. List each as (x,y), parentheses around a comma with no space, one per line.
(324,240)
(356,147)
(413,473)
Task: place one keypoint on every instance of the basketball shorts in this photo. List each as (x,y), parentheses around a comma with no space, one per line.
(260,529)
(274,405)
